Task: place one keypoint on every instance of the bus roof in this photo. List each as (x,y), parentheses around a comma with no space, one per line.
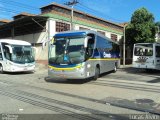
(14,42)
(81,33)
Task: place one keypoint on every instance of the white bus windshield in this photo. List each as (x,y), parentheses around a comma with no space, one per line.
(20,54)
(67,50)
(143,50)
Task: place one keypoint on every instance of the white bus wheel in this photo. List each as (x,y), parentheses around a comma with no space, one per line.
(1,69)
(115,68)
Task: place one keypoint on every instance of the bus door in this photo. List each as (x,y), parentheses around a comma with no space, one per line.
(1,56)
(157,56)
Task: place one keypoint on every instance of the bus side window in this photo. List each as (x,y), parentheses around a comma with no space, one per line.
(90,47)
(7,53)
(157,51)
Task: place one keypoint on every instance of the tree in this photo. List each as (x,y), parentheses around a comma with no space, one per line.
(158,31)
(141,28)
(158,24)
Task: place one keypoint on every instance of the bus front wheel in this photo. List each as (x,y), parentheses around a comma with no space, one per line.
(97,73)
(115,68)
(1,68)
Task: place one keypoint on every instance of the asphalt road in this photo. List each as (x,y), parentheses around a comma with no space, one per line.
(113,96)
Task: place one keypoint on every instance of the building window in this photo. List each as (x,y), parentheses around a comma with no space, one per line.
(114,37)
(60,27)
(103,33)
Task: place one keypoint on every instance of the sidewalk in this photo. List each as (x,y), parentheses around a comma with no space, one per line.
(126,66)
(41,67)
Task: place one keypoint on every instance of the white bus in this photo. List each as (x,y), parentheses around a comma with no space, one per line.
(16,56)
(82,54)
(146,56)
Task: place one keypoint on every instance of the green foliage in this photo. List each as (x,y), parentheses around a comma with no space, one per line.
(141,28)
(158,30)
(158,23)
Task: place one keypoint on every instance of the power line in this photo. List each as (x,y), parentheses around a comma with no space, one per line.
(9,10)
(10,2)
(16,4)
(17,7)
(98,12)
(72,4)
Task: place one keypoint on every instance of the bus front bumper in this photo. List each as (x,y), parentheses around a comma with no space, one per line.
(66,74)
(21,68)
(144,66)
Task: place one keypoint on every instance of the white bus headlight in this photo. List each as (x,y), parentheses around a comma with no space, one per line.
(10,63)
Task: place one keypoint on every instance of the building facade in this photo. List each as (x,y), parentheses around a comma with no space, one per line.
(55,18)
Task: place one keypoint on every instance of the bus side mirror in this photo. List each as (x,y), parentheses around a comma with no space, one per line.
(46,41)
(86,41)
(10,48)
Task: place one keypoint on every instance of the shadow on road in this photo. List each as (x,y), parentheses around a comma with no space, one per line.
(67,81)
(74,81)
(18,73)
(140,71)
(154,81)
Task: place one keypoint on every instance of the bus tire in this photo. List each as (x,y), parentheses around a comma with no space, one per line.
(115,68)
(97,73)
(1,69)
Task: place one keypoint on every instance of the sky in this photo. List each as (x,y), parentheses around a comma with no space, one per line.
(118,11)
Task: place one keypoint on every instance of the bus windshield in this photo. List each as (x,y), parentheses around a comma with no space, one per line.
(143,50)
(67,50)
(22,54)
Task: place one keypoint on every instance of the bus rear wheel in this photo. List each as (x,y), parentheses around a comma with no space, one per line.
(1,69)
(97,73)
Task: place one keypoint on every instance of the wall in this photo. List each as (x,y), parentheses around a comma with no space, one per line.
(36,39)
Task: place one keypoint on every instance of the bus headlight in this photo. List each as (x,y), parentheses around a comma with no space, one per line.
(10,63)
(78,68)
(50,69)
(88,65)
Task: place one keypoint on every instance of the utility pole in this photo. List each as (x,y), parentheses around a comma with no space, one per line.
(157,32)
(72,3)
(124,47)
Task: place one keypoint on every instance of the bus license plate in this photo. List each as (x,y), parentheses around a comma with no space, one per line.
(62,75)
(25,68)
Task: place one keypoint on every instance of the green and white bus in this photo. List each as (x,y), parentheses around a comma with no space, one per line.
(16,56)
(82,54)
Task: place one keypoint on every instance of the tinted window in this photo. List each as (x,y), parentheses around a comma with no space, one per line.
(157,51)
(143,50)
(103,44)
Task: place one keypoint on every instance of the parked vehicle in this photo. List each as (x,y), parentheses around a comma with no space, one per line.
(82,54)
(16,56)
(146,56)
